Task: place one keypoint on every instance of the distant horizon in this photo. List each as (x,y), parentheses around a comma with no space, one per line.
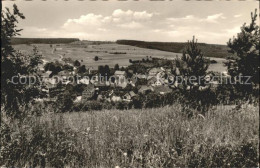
(112,40)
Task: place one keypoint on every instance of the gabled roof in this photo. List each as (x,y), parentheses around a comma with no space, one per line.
(155,70)
(120,73)
(64,73)
(153,79)
(164,89)
(132,94)
(127,94)
(144,87)
(133,79)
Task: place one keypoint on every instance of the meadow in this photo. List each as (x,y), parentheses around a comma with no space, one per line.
(161,137)
(108,53)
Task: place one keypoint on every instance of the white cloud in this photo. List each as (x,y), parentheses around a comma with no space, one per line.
(186,18)
(142,15)
(191,18)
(233,30)
(214,18)
(89,19)
(119,18)
(237,16)
(131,15)
(131,25)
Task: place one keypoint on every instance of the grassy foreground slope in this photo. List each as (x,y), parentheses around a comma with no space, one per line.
(162,137)
(209,50)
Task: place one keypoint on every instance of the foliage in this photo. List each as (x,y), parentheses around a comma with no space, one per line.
(116,68)
(192,64)
(55,67)
(137,68)
(82,69)
(245,50)
(15,40)
(96,58)
(15,96)
(76,63)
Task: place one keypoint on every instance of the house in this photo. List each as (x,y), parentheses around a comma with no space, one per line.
(85,81)
(116,98)
(88,92)
(117,81)
(78,99)
(162,89)
(94,79)
(90,70)
(132,94)
(145,89)
(140,76)
(127,97)
(155,81)
(46,74)
(100,97)
(44,61)
(122,82)
(101,86)
(155,71)
(64,76)
(132,81)
(120,74)
(50,82)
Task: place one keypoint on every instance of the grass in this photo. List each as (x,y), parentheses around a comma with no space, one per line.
(162,137)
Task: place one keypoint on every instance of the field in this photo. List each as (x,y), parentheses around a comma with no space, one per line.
(109,53)
(162,137)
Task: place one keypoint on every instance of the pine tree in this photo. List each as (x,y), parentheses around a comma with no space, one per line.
(192,65)
(116,67)
(245,50)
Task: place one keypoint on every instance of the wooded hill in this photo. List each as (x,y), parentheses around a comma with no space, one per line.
(42,40)
(209,50)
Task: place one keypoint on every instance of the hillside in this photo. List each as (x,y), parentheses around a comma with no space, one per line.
(15,41)
(209,50)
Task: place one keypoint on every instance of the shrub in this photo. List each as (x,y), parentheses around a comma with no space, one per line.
(16,96)
(96,58)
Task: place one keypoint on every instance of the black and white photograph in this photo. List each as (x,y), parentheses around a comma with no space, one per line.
(129,83)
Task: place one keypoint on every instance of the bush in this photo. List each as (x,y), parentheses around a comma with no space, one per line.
(96,58)
(16,97)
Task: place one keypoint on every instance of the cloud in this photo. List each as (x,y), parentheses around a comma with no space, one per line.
(132,15)
(191,18)
(233,30)
(99,27)
(186,18)
(89,19)
(214,18)
(141,25)
(118,18)
(237,16)
(131,25)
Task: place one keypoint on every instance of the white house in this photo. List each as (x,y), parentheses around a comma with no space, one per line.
(120,74)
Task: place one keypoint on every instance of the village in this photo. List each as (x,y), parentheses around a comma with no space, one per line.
(108,85)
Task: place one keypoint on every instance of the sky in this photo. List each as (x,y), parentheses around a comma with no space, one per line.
(212,22)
